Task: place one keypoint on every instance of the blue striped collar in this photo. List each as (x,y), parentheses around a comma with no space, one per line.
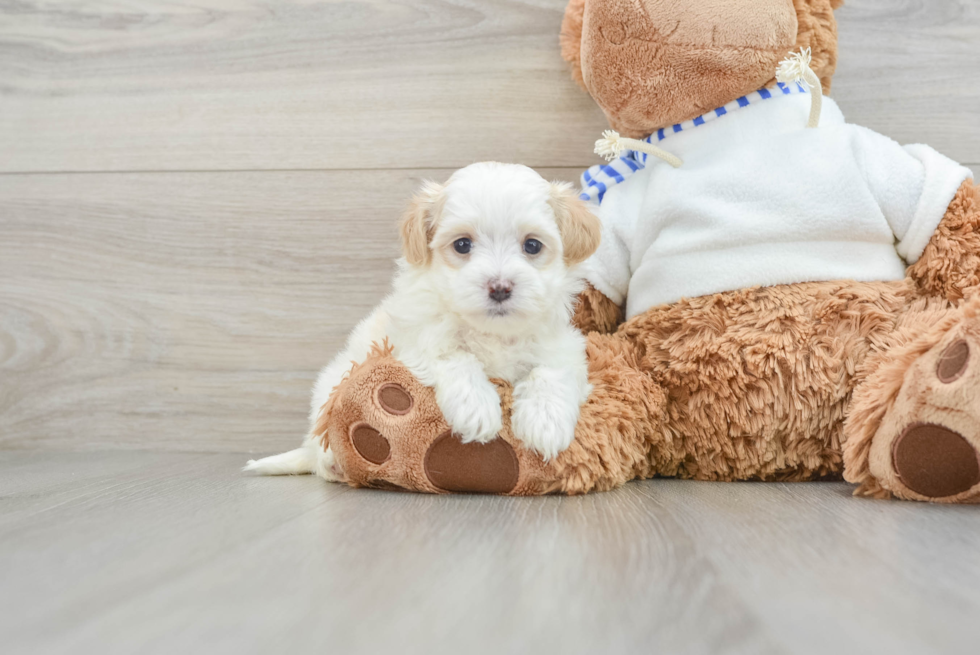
(600,178)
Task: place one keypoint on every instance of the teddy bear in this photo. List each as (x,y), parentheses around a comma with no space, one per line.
(778,296)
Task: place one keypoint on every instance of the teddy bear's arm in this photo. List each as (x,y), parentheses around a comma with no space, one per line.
(594,312)
(950,265)
(571,38)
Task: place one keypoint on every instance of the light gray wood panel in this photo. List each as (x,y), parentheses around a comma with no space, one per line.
(221,84)
(231,85)
(158,552)
(184,311)
(908,69)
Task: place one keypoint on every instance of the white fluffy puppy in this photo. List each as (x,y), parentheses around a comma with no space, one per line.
(485,290)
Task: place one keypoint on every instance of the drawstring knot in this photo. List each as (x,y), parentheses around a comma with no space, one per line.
(611,145)
(796,68)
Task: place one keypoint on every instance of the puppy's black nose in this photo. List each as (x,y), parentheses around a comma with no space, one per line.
(500,291)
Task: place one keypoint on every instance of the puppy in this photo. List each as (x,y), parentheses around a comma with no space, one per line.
(485,290)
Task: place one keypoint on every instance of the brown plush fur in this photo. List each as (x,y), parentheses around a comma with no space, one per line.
(654,63)
(949,266)
(746,385)
(594,312)
(570,38)
(903,389)
(752,384)
(791,382)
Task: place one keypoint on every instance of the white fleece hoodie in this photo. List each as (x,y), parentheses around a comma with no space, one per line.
(760,200)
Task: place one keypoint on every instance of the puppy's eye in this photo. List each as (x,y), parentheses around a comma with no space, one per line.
(532,246)
(462,246)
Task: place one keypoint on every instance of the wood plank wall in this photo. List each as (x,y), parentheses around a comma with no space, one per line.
(198,199)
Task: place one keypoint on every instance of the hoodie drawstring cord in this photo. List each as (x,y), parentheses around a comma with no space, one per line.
(796,68)
(611,145)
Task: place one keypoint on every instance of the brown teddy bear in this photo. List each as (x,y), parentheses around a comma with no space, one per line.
(748,351)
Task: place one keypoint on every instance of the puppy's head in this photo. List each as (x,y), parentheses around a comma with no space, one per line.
(498,242)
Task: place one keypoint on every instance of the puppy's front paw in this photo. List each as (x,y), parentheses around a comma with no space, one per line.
(545,423)
(473,410)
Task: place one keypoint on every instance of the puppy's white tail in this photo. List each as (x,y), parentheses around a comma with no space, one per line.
(294,462)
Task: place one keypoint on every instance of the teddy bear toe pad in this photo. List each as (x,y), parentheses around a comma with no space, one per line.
(953,362)
(394,399)
(369,443)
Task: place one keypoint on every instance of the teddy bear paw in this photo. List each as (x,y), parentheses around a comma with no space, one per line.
(386,431)
(927,446)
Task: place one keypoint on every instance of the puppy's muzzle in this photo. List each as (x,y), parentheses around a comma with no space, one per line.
(500,291)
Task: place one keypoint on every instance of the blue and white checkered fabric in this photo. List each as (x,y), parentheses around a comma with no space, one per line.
(602,177)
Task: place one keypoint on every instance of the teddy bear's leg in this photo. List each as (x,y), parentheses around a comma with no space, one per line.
(620,434)
(913,430)
(950,265)
(386,431)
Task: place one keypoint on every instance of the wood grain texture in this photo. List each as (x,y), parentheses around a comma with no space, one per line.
(190,310)
(185,311)
(231,85)
(166,552)
(908,70)
(187,308)
(303,84)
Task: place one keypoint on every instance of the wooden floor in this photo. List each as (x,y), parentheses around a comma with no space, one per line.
(176,552)
(197,203)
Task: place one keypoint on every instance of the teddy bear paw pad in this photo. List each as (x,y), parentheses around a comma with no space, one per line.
(394,399)
(370,444)
(953,362)
(368,440)
(935,461)
(928,444)
(490,468)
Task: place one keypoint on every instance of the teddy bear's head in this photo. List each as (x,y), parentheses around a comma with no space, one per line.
(653,63)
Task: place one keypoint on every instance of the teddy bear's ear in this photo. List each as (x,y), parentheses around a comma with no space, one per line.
(419,222)
(571,38)
(580,229)
(818,32)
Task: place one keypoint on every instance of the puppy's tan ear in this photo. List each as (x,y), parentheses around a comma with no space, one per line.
(419,222)
(579,227)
